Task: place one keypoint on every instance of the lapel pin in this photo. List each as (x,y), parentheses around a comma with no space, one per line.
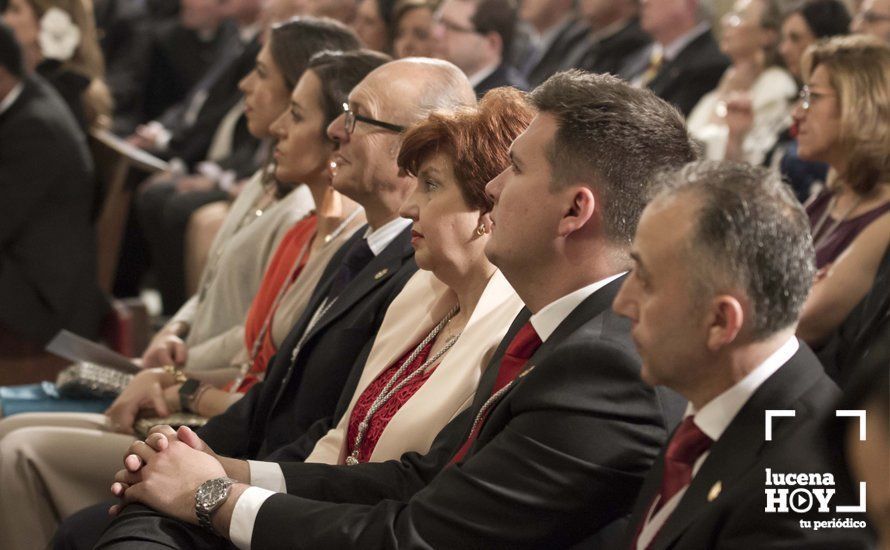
(380,274)
(715,491)
(526,371)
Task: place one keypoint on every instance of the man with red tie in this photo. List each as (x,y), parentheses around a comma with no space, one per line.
(723,261)
(562,430)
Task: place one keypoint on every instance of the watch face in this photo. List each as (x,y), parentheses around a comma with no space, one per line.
(212,493)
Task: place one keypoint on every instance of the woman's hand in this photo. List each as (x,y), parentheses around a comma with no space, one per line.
(166,348)
(144,392)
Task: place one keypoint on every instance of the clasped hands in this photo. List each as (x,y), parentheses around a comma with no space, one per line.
(165,470)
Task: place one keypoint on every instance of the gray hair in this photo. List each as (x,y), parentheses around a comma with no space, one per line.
(751,234)
(615,137)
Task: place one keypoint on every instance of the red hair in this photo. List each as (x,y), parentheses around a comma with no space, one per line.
(477,141)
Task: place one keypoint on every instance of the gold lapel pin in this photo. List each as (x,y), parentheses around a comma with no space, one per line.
(715,491)
(380,274)
(526,371)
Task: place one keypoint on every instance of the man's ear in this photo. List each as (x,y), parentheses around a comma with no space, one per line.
(580,209)
(725,321)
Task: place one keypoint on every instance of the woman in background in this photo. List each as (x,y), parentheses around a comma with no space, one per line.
(844,120)
(59,41)
(754,81)
(413,22)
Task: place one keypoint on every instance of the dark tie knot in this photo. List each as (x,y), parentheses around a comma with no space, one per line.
(688,443)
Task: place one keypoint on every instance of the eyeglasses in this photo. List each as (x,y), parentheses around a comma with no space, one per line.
(351,117)
(807,96)
(452,26)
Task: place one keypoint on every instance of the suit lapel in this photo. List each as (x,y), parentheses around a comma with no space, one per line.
(740,446)
(377,272)
(591,308)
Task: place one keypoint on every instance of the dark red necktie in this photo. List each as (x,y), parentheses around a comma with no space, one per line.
(687,445)
(523,346)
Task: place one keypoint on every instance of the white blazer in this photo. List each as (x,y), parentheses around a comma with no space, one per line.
(450,388)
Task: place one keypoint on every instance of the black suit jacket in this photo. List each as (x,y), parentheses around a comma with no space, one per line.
(685,79)
(736,517)
(504,75)
(611,54)
(47,244)
(191,140)
(554,59)
(295,394)
(561,456)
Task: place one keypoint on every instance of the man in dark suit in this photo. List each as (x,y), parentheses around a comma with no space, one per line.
(475,35)
(615,36)
(561,430)
(47,244)
(554,31)
(306,377)
(685,62)
(723,262)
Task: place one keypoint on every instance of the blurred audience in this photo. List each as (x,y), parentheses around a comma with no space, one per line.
(742,118)
(554,30)
(843,119)
(873,18)
(58,38)
(47,243)
(614,37)
(374,24)
(413,22)
(476,35)
(804,23)
(684,62)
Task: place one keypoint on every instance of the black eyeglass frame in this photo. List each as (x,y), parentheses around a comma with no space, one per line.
(350,117)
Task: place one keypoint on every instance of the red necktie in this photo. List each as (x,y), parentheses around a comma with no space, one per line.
(687,445)
(523,346)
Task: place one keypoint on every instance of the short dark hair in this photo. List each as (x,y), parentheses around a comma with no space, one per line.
(750,234)
(498,16)
(476,139)
(614,136)
(825,18)
(11,52)
(339,72)
(293,42)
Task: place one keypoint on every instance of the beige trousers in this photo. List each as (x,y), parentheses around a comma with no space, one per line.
(52,465)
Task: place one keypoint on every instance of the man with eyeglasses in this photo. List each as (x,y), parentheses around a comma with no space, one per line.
(475,35)
(280,418)
(873,18)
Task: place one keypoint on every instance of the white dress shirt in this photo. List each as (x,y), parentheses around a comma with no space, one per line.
(669,52)
(266,478)
(713,419)
(483,73)
(10,98)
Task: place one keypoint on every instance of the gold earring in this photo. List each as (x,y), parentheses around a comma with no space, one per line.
(480,230)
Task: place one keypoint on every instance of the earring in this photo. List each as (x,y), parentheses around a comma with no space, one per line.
(481,230)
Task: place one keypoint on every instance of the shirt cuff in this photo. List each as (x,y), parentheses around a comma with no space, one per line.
(244,516)
(267,475)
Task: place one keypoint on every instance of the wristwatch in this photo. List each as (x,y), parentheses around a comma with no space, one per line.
(209,497)
(187,392)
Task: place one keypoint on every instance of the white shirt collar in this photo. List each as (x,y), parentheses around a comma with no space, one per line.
(716,415)
(246,34)
(549,318)
(380,238)
(672,50)
(10,98)
(482,74)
